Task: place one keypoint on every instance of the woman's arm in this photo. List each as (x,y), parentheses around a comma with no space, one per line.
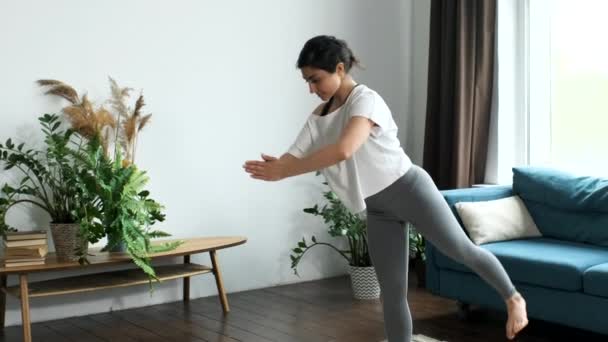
(273,169)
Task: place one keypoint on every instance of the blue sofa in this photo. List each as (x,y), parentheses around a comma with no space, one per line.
(564,274)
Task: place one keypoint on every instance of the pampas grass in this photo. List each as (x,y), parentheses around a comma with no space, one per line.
(130,121)
(60,89)
(124,122)
(82,115)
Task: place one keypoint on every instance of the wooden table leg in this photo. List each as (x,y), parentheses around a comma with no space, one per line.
(219,282)
(25,308)
(186,281)
(2,301)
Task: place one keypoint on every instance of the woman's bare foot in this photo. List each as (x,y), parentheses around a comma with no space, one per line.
(518,317)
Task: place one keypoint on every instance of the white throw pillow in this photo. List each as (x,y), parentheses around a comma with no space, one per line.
(497,220)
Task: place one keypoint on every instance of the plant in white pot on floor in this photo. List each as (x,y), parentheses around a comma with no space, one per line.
(417,257)
(342,223)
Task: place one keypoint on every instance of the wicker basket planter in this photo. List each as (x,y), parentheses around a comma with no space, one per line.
(67,241)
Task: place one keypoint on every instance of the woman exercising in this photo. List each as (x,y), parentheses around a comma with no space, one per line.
(352,139)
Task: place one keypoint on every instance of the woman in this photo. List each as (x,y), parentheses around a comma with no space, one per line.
(352,139)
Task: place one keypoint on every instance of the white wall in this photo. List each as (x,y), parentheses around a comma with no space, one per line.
(421,10)
(220,79)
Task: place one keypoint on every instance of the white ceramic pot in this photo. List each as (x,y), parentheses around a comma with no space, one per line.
(364,282)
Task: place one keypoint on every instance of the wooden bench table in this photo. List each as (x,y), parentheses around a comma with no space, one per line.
(112,279)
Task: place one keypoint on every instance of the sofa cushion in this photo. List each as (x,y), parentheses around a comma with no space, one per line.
(475,194)
(595,280)
(564,206)
(497,220)
(577,226)
(542,261)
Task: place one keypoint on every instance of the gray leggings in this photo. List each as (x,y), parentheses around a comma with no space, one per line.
(414,198)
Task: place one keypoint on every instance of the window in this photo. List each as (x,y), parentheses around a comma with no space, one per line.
(568,85)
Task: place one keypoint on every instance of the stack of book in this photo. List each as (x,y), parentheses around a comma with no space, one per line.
(25,248)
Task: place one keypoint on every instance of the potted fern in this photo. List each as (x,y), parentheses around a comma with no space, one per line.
(123,210)
(342,223)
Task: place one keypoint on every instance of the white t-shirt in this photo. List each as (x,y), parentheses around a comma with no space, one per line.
(378,163)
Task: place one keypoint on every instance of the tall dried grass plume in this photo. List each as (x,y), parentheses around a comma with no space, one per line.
(124,123)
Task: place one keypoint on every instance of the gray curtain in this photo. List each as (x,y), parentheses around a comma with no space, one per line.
(461,72)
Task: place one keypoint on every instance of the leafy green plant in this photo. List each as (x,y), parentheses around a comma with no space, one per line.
(74,181)
(48,175)
(76,178)
(341,223)
(122,209)
(416,243)
(118,206)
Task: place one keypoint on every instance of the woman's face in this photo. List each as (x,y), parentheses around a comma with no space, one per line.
(321,82)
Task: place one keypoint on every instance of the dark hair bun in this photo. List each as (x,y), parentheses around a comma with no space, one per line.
(325,52)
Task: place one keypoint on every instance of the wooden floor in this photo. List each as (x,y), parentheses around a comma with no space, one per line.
(316,311)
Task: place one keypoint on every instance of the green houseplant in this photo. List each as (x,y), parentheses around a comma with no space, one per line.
(122,209)
(417,256)
(342,223)
(417,243)
(48,181)
(118,206)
